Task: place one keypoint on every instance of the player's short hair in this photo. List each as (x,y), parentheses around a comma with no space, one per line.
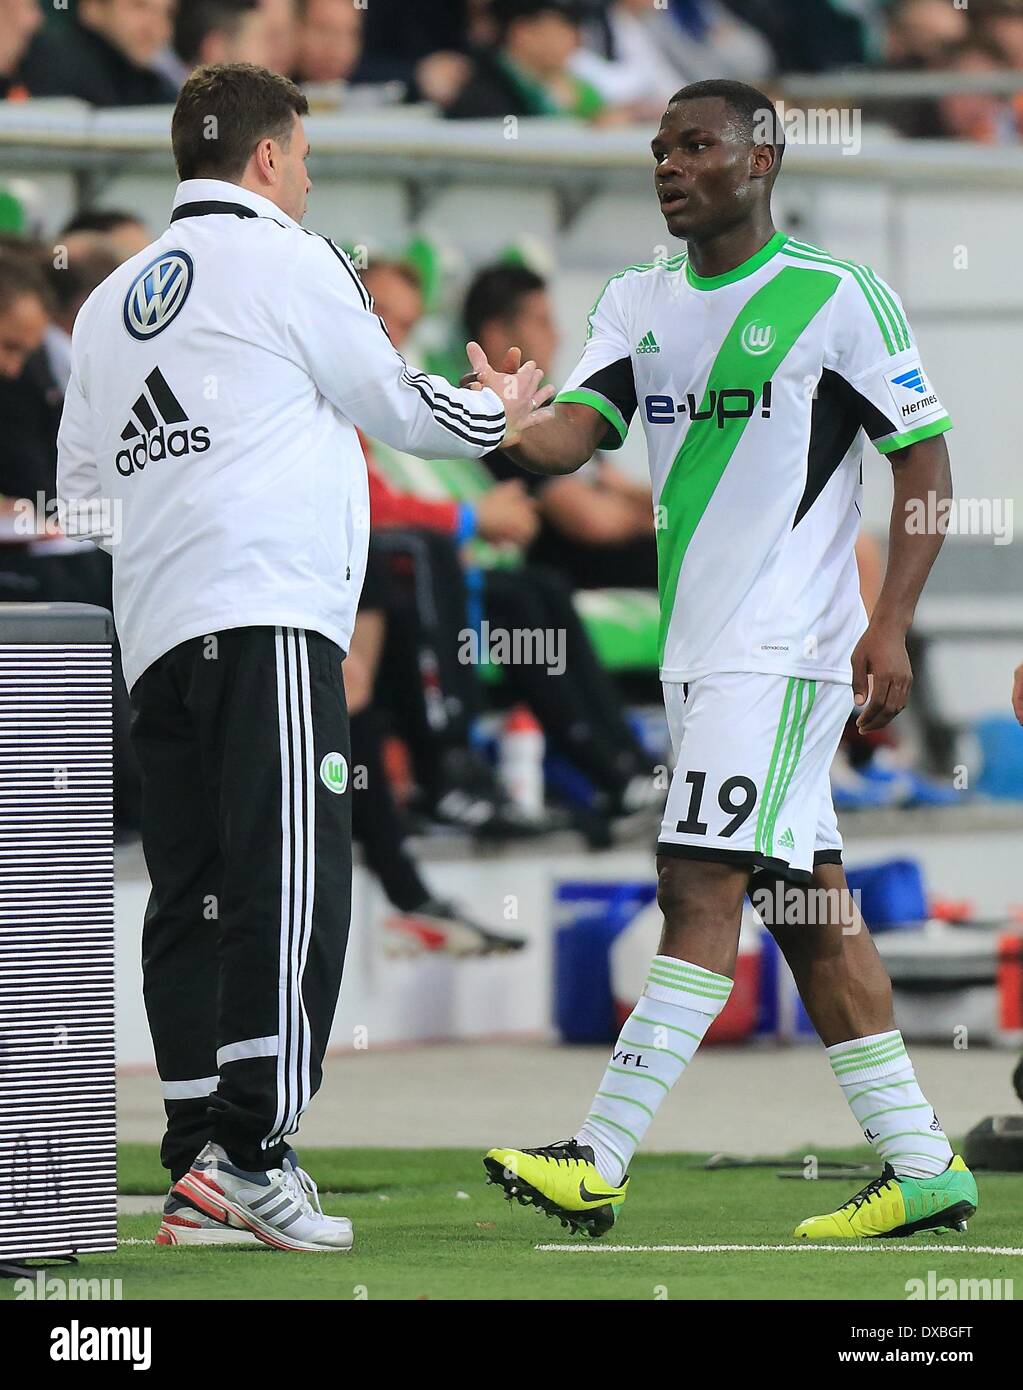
(222,113)
(197,18)
(752,110)
(495,293)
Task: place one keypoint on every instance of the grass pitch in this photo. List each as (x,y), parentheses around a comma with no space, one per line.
(427,1227)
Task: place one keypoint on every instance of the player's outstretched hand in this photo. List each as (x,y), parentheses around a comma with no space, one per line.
(518,386)
(882,677)
(1017,693)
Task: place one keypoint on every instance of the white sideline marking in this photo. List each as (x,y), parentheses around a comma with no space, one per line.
(596,1249)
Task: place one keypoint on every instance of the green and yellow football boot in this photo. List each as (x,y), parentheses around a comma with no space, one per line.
(561,1180)
(893,1206)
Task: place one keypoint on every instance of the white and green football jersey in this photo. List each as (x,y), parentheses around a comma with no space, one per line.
(756,389)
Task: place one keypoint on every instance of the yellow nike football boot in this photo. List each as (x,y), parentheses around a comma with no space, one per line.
(561,1180)
(894,1206)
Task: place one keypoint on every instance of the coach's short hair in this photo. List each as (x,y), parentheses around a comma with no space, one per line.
(222,113)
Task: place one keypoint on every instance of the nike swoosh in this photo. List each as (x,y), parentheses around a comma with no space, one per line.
(592,1196)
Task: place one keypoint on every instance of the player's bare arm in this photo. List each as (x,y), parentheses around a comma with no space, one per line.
(882,674)
(560,439)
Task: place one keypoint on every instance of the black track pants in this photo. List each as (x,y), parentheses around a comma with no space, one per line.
(242,741)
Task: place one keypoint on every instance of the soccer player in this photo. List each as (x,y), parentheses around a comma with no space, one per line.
(757,363)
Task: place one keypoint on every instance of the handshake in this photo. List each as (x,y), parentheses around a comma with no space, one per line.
(518,385)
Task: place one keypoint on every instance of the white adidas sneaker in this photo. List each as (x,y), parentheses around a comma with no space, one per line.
(280,1207)
(185,1224)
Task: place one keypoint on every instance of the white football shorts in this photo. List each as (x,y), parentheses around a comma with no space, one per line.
(752,759)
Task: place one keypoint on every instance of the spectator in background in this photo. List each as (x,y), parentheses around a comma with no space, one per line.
(421,921)
(19,20)
(25,305)
(281,34)
(640,54)
(596,524)
(921,36)
(71,284)
(986,119)
(329,41)
(105,55)
(36,376)
(121,233)
(815,35)
(527,72)
(1000,23)
(221,31)
(921,33)
(423,46)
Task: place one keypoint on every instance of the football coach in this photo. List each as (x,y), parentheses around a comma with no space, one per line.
(209,442)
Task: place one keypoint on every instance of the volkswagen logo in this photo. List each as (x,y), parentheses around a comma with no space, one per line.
(157,294)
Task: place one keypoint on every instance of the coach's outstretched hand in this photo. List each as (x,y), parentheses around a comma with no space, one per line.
(518,386)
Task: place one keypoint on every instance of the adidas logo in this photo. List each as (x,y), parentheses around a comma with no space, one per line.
(785,839)
(150,416)
(648,343)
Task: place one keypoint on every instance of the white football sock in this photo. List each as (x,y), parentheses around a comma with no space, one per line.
(679,1003)
(878,1081)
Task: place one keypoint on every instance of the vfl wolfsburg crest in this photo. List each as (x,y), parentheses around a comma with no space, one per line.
(334,772)
(758,338)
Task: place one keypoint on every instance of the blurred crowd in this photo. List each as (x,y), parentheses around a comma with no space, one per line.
(604,61)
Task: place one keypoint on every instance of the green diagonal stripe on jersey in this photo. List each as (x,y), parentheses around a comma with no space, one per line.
(787,303)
